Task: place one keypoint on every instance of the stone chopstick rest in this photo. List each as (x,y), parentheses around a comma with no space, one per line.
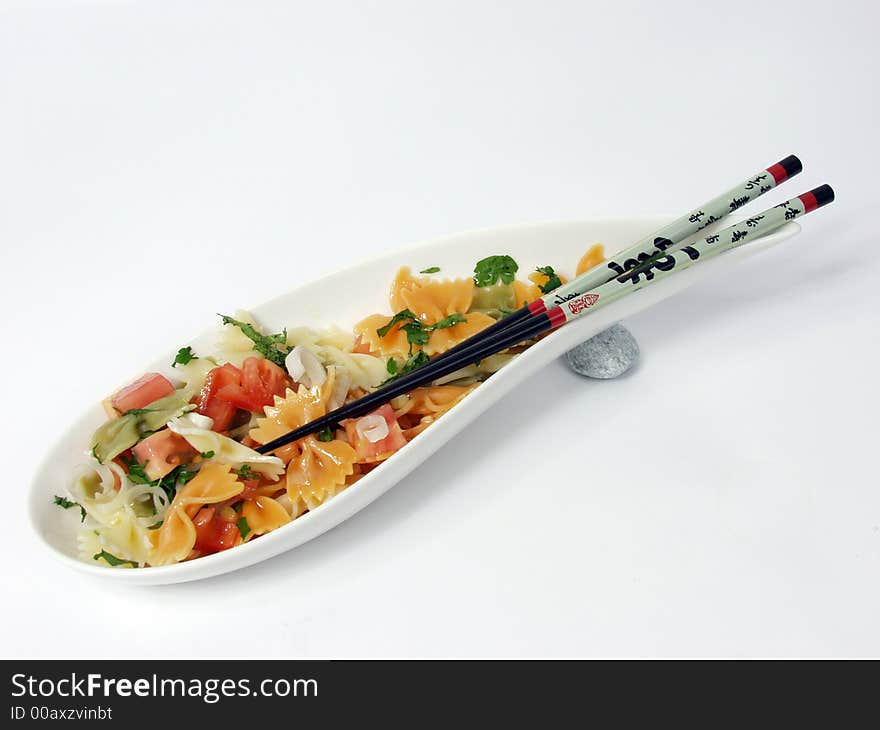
(606,355)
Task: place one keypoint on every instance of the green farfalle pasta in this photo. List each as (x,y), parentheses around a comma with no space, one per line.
(119,434)
(496,300)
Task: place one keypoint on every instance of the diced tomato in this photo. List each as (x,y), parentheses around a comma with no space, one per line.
(250,488)
(221,411)
(142,392)
(161,452)
(213,533)
(233,393)
(228,389)
(262,380)
(370,452)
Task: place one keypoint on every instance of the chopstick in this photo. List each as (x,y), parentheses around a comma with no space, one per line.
(638,277)
(643,250)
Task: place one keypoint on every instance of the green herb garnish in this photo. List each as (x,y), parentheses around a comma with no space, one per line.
(206,454)
(181,476)
(136,471)
(325,434)
(67,504)
(451,320)
(405,315)
(414,362)
(184,355)
(417,332)
(245,472)
(244,528)
(272,347)
(492,268)
(391,366)
(430,270)
(553,282)
(113,560)
(170,483)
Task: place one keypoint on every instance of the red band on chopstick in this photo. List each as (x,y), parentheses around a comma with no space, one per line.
(537,306)
(784,169)
(809,201)
(557,317)
(779,173)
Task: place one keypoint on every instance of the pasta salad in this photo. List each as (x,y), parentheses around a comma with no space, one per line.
(173,474)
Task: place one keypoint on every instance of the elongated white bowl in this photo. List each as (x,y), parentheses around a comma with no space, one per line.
(365,289)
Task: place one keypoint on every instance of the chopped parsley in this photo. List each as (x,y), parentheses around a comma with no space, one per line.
(272,347)
(404,315)
(553,280)
(184,355)
(136,472)
(113,560)
(414,362)
(170,483)
(245,472)
(181,477)
(417,332)
(492,268)
(325,434)
(244,528)
(67,504)
(452,319)
(391,366)
(430,270)
(206,454)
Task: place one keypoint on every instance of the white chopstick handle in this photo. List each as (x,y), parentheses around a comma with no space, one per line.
(666,265)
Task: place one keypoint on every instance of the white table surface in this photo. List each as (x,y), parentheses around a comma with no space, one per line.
(160,162)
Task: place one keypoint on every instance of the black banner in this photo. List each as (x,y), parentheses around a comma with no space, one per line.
(238,693)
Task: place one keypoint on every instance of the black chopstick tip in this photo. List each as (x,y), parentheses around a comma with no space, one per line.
(824,194)
(792,165)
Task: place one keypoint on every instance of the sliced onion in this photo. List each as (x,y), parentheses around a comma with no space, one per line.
(197,420)
(294,364)
(373,428)
(304,367)
(341,384)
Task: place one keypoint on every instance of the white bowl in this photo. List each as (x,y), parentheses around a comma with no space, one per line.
(344,298)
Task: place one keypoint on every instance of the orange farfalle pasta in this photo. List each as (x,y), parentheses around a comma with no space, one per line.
(174,541)
(430,300)
(526,293)
(263,514)
(421,407)
(594,256)
(319,472)
(316,470)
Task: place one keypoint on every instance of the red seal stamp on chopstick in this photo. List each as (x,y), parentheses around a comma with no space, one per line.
(578,304)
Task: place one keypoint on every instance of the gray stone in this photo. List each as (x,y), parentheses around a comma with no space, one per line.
(607,355)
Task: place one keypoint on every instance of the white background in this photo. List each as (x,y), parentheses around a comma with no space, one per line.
(160,162)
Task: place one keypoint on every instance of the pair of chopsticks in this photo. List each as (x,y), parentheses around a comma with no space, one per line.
(648,260)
